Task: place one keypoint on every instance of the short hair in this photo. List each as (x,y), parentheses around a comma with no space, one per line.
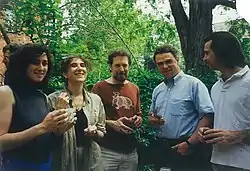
(67,60)
(12,47)
(165,49)
(227,49)
(16,75)
(116,53)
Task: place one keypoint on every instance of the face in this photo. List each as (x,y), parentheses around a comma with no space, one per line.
(77,71)
(38,69)
(209,56)
(6,56)
(167,65)
(119,68)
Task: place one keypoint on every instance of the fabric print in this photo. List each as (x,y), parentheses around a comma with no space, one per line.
(121,101)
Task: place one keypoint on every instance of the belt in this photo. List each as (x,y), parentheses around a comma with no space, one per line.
(171,142)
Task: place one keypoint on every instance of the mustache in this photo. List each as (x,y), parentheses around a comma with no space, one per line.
(121,73)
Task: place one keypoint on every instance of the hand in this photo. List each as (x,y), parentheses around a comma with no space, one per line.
(217,136)
(119,125)
(201,133)
(91,131)
(137,120)
(156,120)
(181,148)
(62,101)
(66,124)
(52,121)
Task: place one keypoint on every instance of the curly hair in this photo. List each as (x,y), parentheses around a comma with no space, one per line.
(16,74)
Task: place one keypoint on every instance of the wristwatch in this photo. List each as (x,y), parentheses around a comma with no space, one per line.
(190,145)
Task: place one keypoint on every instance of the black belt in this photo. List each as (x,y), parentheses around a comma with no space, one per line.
(171,142)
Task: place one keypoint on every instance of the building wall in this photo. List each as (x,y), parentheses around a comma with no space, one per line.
(14,38)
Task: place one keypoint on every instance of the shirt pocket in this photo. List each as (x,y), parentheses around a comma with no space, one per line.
(181,107)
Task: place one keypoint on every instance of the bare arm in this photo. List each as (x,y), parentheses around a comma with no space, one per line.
(205,121)
(9,141)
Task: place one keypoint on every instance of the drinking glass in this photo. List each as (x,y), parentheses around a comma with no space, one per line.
(165,169)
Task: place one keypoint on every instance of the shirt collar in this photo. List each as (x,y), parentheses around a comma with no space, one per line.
(175,79)
(237,75)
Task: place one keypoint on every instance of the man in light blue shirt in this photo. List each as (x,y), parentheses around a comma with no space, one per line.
(180,106)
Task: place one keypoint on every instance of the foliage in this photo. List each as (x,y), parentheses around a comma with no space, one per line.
(93,29)
(241,29)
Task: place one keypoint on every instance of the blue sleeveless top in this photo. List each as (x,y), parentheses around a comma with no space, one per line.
(30,109)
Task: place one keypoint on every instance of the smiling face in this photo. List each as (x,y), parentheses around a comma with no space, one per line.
(77,71)
(167,64)
(38,69)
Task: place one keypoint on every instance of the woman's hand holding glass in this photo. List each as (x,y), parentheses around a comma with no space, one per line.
(67,123)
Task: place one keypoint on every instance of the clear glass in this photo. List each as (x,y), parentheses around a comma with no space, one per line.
(165,169)
(71,113)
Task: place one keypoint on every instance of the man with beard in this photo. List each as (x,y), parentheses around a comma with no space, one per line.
(180,106)
(122,105)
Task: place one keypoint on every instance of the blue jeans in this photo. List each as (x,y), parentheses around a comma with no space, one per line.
(19,165)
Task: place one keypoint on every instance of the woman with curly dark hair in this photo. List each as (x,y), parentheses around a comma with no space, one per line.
(26,125)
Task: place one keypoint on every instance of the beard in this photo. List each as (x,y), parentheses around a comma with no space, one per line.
(120,77)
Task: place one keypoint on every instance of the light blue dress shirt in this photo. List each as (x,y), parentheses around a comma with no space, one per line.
(181,101)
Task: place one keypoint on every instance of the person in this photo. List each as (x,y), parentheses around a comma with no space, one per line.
(78,149)
(231,98)
(26,125)
(122,105)
(180,106)
(7,51)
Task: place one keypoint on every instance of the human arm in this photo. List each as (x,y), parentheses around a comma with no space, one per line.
(99,129)
(153,118)
(9,141)
(60,100)
(219,136)
(203,105)
(137,118)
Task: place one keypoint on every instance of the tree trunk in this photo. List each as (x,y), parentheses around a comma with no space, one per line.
(4,33)
(200,20)
(194,29)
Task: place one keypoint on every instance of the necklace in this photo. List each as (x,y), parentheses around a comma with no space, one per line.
(78,102)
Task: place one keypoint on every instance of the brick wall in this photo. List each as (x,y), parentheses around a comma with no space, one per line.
(14,38)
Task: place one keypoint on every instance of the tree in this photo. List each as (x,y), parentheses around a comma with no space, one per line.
(3,3)
(193,29)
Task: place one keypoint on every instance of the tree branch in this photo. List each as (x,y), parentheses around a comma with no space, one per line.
(4,33)
(116,32)
(181,22)
(226,3)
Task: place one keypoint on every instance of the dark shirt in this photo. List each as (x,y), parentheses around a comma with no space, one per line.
(80,125)
(30,109)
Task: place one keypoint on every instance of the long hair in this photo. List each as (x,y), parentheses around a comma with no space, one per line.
(227,49)
(16,75)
